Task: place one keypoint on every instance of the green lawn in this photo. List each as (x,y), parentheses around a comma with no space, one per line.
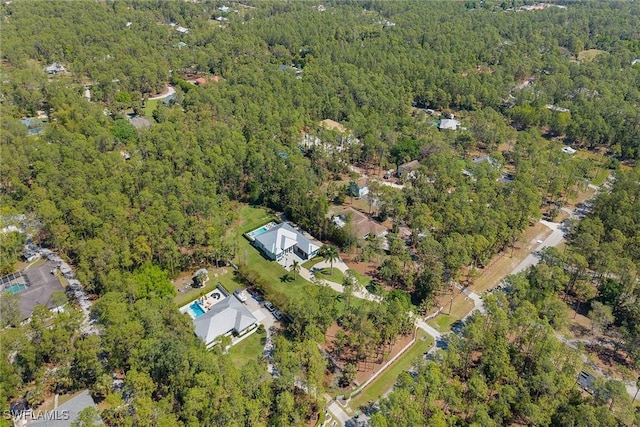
(601,176)
(310,263)
(442,322)
(282,287)
(384,382)
(336,277)
(149,107)
(589,54)
(246,350)
(252,218)
(227,280)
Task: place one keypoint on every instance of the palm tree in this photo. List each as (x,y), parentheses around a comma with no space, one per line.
(330,254)
(295,267)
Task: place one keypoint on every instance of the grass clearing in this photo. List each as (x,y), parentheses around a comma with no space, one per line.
(384,382)
(601,177)
(246,350)
(282,285)
(462,305)
(589,54)
(149,106)
(250,218)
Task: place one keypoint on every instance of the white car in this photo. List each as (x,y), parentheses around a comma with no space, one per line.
(241,296)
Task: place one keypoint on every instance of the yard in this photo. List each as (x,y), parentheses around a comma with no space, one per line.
(246,350)
(282,286)
(149,106)
(325,274)
(462,305)
(384,382)
(250,218)
(224,276)
(589,54)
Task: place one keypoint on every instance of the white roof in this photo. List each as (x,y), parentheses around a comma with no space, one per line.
(55,67)
(282,237)
(182,30)
(226,316)
(449,124)
(568,150)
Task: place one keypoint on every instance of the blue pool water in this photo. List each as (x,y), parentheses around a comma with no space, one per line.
(14,289)
(258,231)
(196,309)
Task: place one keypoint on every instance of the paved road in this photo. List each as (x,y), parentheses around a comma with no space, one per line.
(338,413)
(428,329)
(554,239)
(170,91)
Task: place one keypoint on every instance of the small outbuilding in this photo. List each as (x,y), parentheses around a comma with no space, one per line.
(55,68)
(408,170)
(449,124)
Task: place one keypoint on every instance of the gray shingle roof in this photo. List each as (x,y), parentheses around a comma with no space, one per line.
(227,315)
(70,410)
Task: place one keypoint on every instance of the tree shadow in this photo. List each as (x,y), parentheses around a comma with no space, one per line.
(286,278)
(579,330)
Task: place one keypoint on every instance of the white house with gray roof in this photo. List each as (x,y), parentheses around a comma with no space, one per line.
(224,317)
(283,239)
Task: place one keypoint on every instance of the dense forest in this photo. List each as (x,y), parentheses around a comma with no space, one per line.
(124,204)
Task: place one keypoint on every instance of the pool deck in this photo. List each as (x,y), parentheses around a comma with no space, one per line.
(205,302)
(41,286)
(268,226)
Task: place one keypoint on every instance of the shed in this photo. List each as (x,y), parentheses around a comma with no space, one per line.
(585,381)
(449,124)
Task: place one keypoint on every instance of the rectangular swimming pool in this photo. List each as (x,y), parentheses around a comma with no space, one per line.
(196,310)
(258,231)
(17,288)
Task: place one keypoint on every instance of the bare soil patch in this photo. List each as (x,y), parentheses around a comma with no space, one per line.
(367,268)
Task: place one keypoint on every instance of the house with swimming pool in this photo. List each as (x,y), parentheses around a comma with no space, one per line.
(277,240)
(33,286)
(219,313)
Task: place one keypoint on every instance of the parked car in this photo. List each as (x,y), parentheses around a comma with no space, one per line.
(277,314)
(269,306)
(241,295)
